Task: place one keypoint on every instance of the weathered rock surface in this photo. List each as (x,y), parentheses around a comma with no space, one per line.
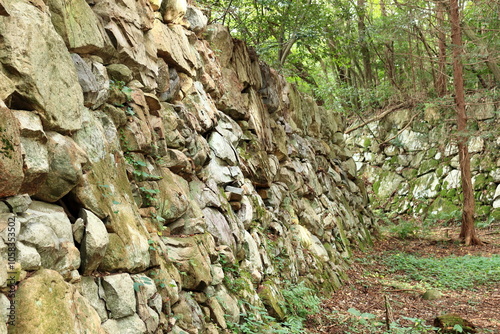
(47,304)
(418,174)
(94,243)
(119,295)
(78,25)
(177,181)
(60,103)
(11,162)
(46,228)
(65,167)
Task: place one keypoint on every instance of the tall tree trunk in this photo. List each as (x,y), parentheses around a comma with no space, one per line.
(441,72)
(363,36)
(468,232)
(390,68)
(429,52)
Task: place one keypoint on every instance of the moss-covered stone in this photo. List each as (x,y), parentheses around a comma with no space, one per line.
(45,303)
(440,171)
(480,181)
(387,183)
(426,186)
(431,153)
(442,208)
(432,294)
(449,322)
(272,299)
(410,173)
(495,214)
(427,166)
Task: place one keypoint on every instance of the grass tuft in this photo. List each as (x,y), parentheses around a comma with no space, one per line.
(463,272)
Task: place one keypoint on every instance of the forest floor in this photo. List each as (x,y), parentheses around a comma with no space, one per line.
(389,274)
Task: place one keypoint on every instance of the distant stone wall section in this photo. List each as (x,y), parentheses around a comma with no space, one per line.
(416,170)
(158,176)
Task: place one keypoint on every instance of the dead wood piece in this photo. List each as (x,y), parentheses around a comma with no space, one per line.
(377,117)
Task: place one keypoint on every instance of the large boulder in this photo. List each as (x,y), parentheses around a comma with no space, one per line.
(105,190)
(192,259)
(34,149)
(119,295)
(94,293)
(46,228)
(126,23)
(65,172)
(11,162)
(191,316)
(173,11)
(197,21)
(93,79)
(173,46)
(95,241)
(47,304)
(29,41)
(78,25)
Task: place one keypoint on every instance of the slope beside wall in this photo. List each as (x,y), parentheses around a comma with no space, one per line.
(156,177)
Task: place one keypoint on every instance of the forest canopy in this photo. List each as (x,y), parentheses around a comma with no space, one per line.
(360,55)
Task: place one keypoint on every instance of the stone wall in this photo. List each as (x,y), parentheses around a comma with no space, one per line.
(410,161)
(156,177)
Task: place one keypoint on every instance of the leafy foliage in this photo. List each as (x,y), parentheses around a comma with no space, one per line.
(356,322)
(298,302)
(362,55)
(6,146)
(462,272)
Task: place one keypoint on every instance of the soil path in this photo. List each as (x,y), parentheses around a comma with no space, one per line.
(368,288)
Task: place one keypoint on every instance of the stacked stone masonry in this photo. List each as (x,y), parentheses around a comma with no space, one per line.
(410,161)
(142,154)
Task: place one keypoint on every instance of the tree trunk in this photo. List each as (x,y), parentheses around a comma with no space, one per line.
(468,232)
(363,37)
(390,68)
(428,50)
(441,72)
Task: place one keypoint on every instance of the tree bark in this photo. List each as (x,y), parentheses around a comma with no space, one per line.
(431,56)
(363,36)
(468,232)
(389,52)
(441,72)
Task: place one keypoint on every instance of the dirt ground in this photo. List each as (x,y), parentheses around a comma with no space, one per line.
(367,292)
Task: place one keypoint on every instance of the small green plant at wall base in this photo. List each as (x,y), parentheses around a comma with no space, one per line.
(367,323)
(123,88)
(149,195)
(141,281)
(300,301)
(254,320)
